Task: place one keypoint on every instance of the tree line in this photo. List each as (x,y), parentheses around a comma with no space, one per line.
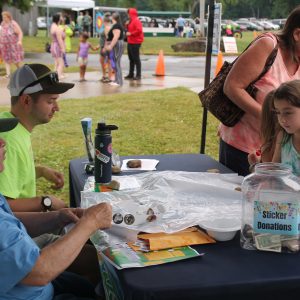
(232,9)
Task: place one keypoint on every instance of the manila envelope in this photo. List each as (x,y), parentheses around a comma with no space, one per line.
(186,237)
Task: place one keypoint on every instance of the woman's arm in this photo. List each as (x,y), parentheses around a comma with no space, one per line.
(60,40)
(245,70)
(18,32)
(93,48)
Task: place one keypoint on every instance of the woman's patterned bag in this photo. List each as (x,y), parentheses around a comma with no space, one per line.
(216,102)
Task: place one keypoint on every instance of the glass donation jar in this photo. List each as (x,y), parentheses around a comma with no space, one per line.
(271,209)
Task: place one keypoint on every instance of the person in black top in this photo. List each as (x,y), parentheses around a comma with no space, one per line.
(116,45)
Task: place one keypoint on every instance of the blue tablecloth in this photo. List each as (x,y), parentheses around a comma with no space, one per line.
(226,271)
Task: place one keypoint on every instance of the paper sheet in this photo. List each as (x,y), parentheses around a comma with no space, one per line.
(147,165)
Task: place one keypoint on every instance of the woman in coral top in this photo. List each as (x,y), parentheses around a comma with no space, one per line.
(244,138)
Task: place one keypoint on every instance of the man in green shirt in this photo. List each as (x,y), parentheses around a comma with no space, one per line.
(34,92)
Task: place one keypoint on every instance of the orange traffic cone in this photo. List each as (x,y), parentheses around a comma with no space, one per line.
(160,66)
(219,63)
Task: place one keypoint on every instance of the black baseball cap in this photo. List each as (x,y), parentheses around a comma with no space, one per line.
(33,78)
(7,124)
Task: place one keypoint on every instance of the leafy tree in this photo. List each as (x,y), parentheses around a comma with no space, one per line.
(23,5)
(143,5)
(171,5)
(281,9)
(257,8)
(129,3)
(232,9)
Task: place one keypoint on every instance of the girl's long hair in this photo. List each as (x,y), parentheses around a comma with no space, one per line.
(269,125)
(290,92)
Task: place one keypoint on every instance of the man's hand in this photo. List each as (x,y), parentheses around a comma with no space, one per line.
(53,176)
(99,216)
(69,215)
(57,203)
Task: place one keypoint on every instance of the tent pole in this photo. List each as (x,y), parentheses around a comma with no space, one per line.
(94,22)
(47,20)
(207,68)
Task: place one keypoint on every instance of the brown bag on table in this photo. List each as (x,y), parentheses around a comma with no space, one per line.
(217,103)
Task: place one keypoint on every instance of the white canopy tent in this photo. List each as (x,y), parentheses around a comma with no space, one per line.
(71,4)
(76,5)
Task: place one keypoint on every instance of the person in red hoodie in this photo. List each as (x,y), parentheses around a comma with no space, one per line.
(135,37)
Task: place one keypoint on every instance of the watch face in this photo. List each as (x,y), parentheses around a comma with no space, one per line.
(47,202)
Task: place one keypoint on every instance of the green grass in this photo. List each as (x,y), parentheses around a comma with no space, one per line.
(152,122)
(151,45)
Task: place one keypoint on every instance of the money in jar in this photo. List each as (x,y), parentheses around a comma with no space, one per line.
(271,209)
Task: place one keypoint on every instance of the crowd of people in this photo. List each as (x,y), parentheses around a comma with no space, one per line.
(111,44)
(37,260)
(54,265)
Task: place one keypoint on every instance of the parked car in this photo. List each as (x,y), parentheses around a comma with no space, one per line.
(41,23)
(145,19)
(235,25)
(264,25)
(250,26)
(243,19)
(272,25)
(280,22)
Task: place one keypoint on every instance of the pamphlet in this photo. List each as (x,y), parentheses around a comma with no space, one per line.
(121,256)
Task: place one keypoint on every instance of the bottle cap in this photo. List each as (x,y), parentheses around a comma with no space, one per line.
(103,128)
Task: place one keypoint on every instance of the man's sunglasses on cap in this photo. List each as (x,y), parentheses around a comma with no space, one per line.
(52,76)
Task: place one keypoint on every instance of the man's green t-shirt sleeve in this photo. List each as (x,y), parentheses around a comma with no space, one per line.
(10,185)
(17,180)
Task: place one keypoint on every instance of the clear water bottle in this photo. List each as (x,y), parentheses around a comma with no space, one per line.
(271,209)
(103,152)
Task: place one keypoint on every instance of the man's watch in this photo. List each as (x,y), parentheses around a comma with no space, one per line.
(46,203)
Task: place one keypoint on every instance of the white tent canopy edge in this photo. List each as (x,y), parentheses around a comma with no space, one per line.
(69,4)
(84,4)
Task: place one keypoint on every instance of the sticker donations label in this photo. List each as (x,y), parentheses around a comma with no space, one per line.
(276,213)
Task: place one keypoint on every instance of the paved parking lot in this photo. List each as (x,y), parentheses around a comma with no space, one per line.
(179,71)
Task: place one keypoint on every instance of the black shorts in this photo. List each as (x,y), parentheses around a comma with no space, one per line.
(180,28)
